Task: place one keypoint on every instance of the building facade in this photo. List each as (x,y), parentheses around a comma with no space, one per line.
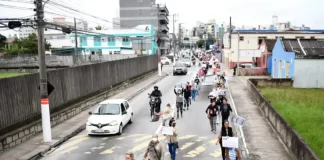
(251,39)
(137,12)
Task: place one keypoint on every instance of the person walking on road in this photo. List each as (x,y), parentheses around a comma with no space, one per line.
(167,113)
(187,96)
(225,132)
(225,110)
(179,101)
(129,155)
(173,141)
(154,150)
(211,112)
(193,90)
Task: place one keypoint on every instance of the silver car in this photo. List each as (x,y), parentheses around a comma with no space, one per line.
(180,68)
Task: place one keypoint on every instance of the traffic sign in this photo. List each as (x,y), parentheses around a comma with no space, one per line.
(50,88)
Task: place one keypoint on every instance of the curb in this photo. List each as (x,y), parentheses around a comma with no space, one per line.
(82,127)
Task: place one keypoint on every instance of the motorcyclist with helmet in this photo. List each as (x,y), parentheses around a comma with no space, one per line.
(157,93)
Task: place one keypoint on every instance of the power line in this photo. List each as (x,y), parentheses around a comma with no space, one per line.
(15,7)
(18,1)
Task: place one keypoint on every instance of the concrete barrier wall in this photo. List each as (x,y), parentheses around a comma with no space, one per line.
(253,72)
(20,98)
(293,141)
(28,61)
(272,82)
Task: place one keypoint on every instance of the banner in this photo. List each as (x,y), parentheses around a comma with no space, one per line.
(231,142)
(237,120)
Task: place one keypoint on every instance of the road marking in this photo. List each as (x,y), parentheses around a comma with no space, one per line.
(186,137)
(121,138)
(87,152)
(136,135)
(110,150)
(195,152)
(216,154)
(68,150)
(201,138)
(72,143)
(144,145)
(143,138)
(186,145)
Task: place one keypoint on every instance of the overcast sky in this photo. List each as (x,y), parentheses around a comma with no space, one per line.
(243,12)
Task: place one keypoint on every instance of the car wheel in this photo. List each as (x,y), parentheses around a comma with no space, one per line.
(130,120)
(174,74)
(166,63)
(120,132)
(185,73)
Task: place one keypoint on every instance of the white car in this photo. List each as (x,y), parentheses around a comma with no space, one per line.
(110,117)
(165,60)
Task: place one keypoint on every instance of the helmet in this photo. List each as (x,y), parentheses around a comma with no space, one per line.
(156,87)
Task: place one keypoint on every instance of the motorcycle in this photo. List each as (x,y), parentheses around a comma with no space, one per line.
(153,104)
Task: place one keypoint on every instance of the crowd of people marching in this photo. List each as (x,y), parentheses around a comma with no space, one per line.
(218,111)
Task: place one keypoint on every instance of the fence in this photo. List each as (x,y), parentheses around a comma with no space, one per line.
(29,61)
(20,98)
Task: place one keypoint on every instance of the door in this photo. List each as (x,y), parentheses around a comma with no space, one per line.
(124,116)
(287,69)
(280,69)
(274,72)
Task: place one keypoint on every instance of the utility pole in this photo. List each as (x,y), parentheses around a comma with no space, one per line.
(230,33)
(238,53)
(46,122)
(179,36)
(174,39)
(76,40)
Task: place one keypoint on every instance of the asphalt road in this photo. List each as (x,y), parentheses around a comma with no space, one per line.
(196,141)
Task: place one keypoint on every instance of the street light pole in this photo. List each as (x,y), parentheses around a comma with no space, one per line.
(238,53)
(46,122)
(174,40)
(76,40)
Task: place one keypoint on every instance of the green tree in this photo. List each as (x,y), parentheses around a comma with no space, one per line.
(28,45)
(3,40)
(200,43)
(98,27)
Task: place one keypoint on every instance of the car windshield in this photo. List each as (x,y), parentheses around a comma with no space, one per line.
(107,109)
(179,65)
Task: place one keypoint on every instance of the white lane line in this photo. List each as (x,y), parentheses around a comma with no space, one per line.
(160,126)
(240,128)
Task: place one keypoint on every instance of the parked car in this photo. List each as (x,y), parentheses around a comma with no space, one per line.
(180,68)
(165,60)
(110,117)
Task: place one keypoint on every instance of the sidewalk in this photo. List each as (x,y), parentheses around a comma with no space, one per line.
(71,127)
(261,140)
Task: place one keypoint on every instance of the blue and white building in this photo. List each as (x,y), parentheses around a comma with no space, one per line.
(121,41)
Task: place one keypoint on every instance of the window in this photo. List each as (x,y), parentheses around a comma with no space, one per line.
(126,105)
(260,39)
(281,37)
(97,39)
(241,38)
(122,108)
(312,37)
(125,39)
(116,52)
(107,109)
(111,39)
(300,37)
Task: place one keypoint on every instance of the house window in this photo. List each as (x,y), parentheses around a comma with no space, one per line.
(241,38)
(125,39)
(111,39)
(300,37)
(97,39)
(116,52)
(312,37)
(260,39)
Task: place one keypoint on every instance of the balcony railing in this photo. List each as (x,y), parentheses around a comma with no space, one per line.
(163,18)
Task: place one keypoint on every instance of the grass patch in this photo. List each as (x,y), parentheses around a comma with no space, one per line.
(304,111)
(10,74)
